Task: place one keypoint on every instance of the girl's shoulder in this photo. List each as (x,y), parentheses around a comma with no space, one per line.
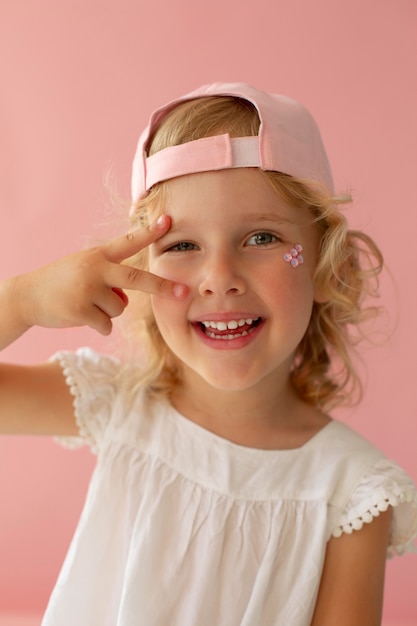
(96,381)
(365,484)
(87,364)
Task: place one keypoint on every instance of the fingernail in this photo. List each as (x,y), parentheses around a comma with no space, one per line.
(180,291)
(121,294)
(160,222)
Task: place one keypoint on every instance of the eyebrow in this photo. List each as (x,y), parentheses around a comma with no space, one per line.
(252,218)
(269,217)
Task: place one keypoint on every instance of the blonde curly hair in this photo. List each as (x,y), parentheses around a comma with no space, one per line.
(323,373)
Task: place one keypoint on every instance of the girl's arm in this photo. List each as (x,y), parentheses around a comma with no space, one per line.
(352,584)
(35,400)
(83,289)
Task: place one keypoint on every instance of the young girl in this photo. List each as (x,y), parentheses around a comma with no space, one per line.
(224,493)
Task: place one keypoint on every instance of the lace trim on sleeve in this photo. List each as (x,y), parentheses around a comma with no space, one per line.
(85,437)
(89,377)
(383,486)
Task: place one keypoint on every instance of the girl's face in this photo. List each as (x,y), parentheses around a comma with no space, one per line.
(247,308)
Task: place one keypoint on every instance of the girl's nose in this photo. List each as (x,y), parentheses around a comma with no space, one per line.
(221,276)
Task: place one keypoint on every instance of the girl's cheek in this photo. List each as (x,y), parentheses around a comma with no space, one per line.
(287,285)
(170,270)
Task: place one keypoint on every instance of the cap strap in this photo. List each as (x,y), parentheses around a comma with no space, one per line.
(202,155)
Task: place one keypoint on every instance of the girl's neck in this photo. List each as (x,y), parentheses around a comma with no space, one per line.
(271,416)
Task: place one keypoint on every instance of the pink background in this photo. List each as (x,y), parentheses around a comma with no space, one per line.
(78,81)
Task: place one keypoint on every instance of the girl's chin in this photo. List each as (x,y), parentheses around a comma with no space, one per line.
(222,378)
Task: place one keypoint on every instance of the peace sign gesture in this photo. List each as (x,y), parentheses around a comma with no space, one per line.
(84,288)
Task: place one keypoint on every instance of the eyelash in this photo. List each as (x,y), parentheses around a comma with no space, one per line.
(273,238)
(178,247)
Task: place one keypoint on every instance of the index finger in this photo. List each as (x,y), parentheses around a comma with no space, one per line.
(126,277)
(127,245)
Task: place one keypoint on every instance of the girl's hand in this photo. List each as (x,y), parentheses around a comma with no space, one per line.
(86,288)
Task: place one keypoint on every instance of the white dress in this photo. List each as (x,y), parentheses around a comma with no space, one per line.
(183,528)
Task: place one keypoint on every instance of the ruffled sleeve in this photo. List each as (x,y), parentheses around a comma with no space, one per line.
(384,485)
(91,378)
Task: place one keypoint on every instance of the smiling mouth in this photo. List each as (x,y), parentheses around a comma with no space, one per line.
(232,329)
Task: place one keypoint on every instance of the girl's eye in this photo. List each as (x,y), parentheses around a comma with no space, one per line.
(182,246)
(261,239)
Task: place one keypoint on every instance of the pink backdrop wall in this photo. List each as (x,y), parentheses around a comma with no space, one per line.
(78,80)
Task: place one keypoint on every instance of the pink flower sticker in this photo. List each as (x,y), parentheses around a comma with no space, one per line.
(294,256)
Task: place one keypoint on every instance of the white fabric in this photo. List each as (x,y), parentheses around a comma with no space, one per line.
(184,528)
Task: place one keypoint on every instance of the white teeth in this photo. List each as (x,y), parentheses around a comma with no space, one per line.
(231,325)
(211,327)
(228,337)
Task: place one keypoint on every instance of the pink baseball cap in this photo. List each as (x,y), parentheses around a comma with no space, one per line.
(289,141)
